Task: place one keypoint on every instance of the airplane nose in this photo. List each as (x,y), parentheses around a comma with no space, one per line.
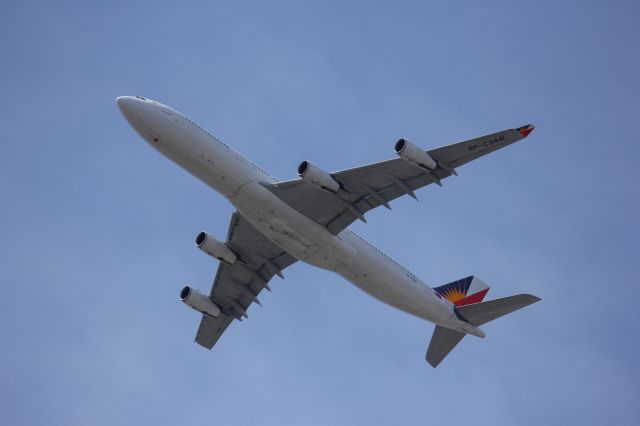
(125,103)
(134,108)
(141,115)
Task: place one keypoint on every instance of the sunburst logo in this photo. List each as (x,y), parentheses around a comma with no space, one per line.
(456,290)
(453,294)
(461,293)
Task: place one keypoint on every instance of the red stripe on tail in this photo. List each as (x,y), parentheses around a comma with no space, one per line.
(471,299)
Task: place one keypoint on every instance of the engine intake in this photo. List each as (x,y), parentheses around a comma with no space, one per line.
(198,301)
(318,177)
(215,248)
(414,155)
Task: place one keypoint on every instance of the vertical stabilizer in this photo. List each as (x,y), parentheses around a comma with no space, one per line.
(463,292)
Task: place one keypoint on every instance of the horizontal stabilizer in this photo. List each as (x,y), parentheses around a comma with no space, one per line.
(442,342)
(480,313)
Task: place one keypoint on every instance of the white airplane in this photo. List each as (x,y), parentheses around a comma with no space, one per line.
(280,222)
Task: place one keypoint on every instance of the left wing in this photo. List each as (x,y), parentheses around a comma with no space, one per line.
(237,286)
(367,187)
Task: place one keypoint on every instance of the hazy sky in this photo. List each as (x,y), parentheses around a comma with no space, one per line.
(98,228)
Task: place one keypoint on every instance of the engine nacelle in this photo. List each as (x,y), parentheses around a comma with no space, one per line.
(198,301)
(318,177)
(215,248)
(414,155)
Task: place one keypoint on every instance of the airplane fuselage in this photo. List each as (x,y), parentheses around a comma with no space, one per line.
(241,182)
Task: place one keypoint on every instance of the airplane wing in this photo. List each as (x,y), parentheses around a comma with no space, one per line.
(367,187)
(237,286)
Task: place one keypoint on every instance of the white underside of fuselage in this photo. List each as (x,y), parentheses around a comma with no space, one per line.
(240,181)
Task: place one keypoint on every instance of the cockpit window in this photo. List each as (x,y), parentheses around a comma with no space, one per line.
(140,97)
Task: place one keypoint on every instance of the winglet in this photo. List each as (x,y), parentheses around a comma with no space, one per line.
(525,130)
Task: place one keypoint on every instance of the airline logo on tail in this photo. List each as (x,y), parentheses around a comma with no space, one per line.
(463,292)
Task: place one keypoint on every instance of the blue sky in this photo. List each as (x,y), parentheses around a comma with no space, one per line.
(98,228)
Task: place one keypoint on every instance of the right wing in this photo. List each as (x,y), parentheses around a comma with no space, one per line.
(236,286)
(367,187)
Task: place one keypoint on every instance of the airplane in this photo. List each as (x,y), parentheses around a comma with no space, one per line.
(277,223)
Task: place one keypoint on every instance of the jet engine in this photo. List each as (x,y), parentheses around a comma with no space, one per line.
(215,248)
(318,177)
(414,155)
(198,301)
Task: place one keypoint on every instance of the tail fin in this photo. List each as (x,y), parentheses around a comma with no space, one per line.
(463,292)
(445,339)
